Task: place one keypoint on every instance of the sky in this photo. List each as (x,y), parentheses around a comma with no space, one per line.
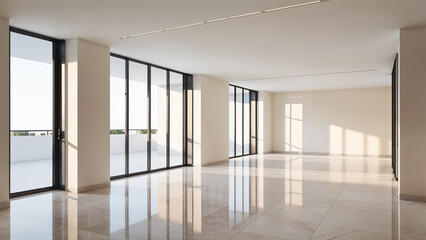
(31,88)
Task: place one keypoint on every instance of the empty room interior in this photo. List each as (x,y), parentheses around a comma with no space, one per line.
(225,119)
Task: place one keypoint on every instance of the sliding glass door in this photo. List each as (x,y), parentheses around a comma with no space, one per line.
(239,122)
(242,121)
(149,117)
(138,121)
(159,116)
(176,101)
(35,132)
(117,116)
(231,121)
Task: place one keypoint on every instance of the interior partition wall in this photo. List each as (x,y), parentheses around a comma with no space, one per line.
(150,118)
(242,121)
(36,162)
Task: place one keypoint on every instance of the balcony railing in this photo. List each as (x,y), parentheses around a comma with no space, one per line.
(18,133)
(132,131)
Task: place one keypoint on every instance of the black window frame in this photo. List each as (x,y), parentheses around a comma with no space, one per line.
(58,161)
(187,128)
(395,89)
(253,135)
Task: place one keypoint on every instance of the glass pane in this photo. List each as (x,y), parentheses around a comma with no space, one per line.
(31,112)
(138,127)
(158,118)
(176,119)
(246,122)
(117,116)
(253,115)
(239,125)
(189,118)
(231,121)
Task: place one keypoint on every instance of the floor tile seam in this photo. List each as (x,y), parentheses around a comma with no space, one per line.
(260,215)
(347,180)
(337,197)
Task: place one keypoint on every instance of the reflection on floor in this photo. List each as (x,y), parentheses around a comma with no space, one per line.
(138,163)
(260,197)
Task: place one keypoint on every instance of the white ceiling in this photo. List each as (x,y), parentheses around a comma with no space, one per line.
(333,45)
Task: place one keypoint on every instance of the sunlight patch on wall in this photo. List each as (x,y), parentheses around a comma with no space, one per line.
(335,140)
(354,142)
(293,122)
(343,141)
(373,145)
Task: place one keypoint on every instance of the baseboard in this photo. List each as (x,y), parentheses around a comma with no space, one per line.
(4,205)
(412,198)
(89,188)
(214,163)
(334,154)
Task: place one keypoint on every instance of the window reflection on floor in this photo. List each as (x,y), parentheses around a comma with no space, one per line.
(155,204)
(294,181)
(40,222)
(217,202)
(245,191)
(117,207)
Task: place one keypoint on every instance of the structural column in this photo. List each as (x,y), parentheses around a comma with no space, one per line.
(264,123)
(4,109)
(88,115)
(413,114)
(211,120)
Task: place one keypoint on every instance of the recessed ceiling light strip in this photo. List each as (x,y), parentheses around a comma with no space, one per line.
(310,75)
(224,19)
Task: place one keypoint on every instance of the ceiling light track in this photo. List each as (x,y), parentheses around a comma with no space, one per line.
(309,75)
(225,19)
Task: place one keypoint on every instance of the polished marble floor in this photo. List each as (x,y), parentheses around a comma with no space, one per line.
(138,161)
(270,196)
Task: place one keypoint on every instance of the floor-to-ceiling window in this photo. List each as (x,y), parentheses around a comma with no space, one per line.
(246,122)
(34,112)
(176,101)
(138,121)
(395,91)
(117,116)
(242,121)
(239,122)
(231,121)
(158,118)
(149,117)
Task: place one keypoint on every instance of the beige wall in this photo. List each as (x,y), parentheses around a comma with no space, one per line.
(210,120)
(344,122)
(413,113)
(4,109)
(264,122)
(87,114)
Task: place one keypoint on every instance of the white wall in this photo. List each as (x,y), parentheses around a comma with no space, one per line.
(343,122)
(88,116)
(4,109)
(413,114)
(264,122)
(210,120)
